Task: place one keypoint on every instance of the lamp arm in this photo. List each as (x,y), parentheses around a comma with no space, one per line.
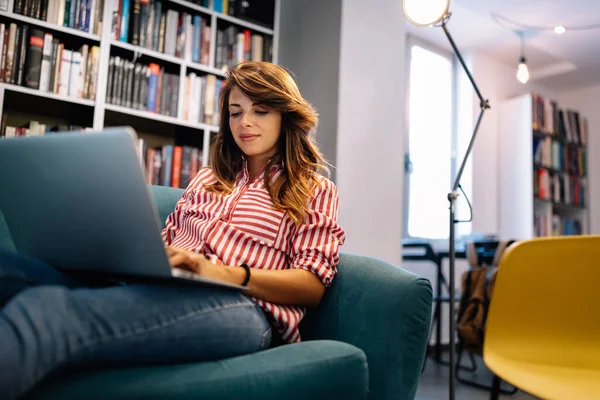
(462,62)
(483,104)
(469,148)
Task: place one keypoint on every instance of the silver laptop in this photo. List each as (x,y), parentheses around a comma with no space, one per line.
(79,201)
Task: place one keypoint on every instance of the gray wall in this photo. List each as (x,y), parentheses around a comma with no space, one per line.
(349,59)
(309,46)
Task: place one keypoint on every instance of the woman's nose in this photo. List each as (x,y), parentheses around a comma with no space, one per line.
(246,119)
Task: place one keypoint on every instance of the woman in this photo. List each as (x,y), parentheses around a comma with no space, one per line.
(260,215)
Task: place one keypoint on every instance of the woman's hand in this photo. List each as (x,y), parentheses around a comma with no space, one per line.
(196,263)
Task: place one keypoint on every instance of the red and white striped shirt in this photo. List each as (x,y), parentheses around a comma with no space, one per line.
(243,228)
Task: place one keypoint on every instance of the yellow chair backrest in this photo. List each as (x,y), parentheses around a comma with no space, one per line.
(544,323)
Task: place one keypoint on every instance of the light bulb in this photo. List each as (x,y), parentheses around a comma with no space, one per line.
(559,30)
(522,71)
(425,12)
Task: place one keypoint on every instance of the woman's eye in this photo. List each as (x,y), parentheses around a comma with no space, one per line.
(260,112)
(236,114)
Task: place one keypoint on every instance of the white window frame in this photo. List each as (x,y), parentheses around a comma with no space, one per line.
(454,156)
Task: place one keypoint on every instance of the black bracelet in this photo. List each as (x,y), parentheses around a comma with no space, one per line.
(247,268)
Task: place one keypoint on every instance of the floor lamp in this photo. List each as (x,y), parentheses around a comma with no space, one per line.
(436,13)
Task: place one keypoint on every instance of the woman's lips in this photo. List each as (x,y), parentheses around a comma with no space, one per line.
(247,137)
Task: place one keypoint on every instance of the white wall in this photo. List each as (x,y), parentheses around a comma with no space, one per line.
(586,101)
(370,166)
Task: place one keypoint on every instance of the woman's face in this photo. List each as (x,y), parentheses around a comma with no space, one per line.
(256,128)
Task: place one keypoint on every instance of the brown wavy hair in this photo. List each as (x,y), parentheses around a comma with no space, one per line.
(272,86)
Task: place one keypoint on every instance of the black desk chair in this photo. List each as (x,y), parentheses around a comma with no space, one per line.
(421,250)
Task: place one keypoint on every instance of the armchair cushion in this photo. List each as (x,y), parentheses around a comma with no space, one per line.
(310,370)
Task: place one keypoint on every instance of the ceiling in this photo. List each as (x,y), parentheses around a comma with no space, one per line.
(558,62)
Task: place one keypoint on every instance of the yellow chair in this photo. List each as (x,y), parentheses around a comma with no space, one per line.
(543,328)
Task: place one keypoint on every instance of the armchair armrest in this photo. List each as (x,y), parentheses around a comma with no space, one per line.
(383,310)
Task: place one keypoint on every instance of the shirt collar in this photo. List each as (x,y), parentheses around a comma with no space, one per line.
(244,175)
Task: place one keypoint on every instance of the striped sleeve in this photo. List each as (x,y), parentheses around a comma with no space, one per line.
(315,246)
(173,222)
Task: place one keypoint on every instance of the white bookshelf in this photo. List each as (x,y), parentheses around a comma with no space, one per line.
(518,204)
(148,52)
(107,45)
(244,24)
(47,95)
(160,117)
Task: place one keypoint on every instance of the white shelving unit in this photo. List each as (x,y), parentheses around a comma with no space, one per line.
(107,43)
(47,95)
(517,201)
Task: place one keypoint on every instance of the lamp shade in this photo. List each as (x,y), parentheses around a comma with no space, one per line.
(425,12)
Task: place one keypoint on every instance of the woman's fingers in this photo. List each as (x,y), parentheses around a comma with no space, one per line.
(184,261)
(179,260)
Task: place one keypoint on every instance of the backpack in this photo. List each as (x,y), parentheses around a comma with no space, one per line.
(477,288)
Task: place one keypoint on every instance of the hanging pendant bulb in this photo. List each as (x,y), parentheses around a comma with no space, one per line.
(523,71)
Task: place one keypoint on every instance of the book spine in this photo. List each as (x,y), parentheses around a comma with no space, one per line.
(124,31)
(129,84)
(176,168)
(60,13)
(65,72)
(167,164)
(118,82)
(136,22)
(95,68)
(109,86)
(84,51)
(144,87)
(74,85)
(23,54)
(72,13)
(174,92)
(53,62)
(152,86)
(46,63)
(3,50)
(136,86)
(186,167)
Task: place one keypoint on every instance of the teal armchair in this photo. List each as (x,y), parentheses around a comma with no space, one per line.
(366,340)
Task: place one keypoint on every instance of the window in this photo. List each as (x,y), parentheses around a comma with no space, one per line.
(434,150)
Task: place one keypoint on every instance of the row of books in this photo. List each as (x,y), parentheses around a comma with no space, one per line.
(170,165)
(559,187)
(547,223)
(201,98)
(556,155)
(36,59)
(35,128)
(235,45)
(142,87)
(149,24)
(83,15)
(566,125)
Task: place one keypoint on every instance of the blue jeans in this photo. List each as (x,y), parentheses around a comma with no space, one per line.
(50,321)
